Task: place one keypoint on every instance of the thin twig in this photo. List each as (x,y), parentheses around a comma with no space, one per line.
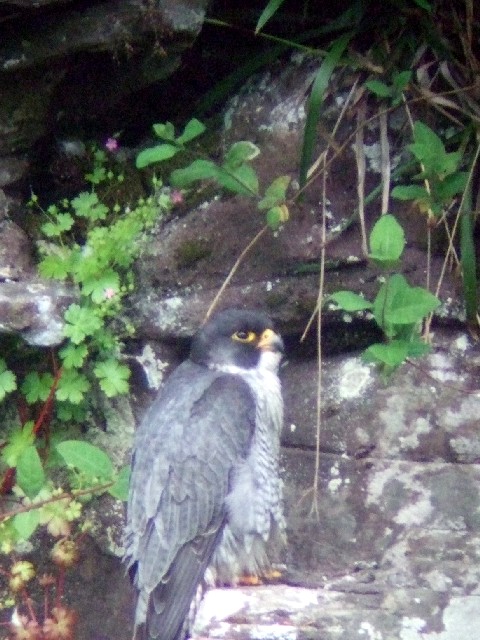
(233,270)
(321,285)
(385,160)
(361,170)
(75,493)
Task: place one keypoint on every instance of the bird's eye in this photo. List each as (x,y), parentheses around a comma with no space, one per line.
(244,336)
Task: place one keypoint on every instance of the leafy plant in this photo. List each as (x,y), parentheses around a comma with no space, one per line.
(441,177)
(235,173)
(47,475)
(392,91)
(36,500)
(93,246)
(398,308)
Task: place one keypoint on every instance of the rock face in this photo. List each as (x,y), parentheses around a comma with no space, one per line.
(75,60)
(391,547)
(384,528)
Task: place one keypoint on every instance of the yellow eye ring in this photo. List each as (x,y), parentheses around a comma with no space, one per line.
(244,336)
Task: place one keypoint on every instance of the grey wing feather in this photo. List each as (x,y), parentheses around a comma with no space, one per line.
(193,437)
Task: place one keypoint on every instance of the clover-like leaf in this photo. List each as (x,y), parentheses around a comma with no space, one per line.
(113,377)
(72,386)
(8,382)
(73,356)
(56,265)
(80,323)
(36,386)
(63,222)
(102,287)
(18,441)
(87,205)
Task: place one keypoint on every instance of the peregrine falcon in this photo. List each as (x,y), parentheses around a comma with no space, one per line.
(205,490)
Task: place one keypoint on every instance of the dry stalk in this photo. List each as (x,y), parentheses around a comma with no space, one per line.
(233,271)
(314,510)
(385,160)
(361,169)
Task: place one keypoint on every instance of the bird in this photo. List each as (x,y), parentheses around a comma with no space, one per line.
(205,500)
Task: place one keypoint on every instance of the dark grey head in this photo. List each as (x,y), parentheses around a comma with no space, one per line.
(239,338)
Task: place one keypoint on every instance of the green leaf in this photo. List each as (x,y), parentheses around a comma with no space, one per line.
(267,13)
(468,254)
(86,458)
(410,305)
(113,377)
(384,301)
(57,265)
(37,386)
(349,301)
(8,381)
(197,170)
(380,89)
(401,80)
(193,129)
(427,144)
(448,165)
(424,4)
(275,193)
(417,348)
(165,131)
(18,441)
(67,411)
(391,355)
(410,192)
(30,473)
(72,386)
(26,523)
(276,216)
(81,322)
(429,149)
(119,489)
(155,154)
(240,152)
(319,88)
(451,186)
(242,180)
(87,205)
(387,240)
(102,286)
(63,222)
(73,356)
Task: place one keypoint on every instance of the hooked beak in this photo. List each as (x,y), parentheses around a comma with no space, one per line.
(271,341)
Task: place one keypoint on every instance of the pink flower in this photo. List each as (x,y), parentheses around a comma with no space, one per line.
(109,293)
(176,197)
(111,144)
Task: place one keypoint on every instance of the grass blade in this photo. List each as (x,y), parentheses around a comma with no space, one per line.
(468,258)
(319,87)
(267,13)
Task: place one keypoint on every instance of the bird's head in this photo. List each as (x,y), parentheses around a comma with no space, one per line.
(238,338)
